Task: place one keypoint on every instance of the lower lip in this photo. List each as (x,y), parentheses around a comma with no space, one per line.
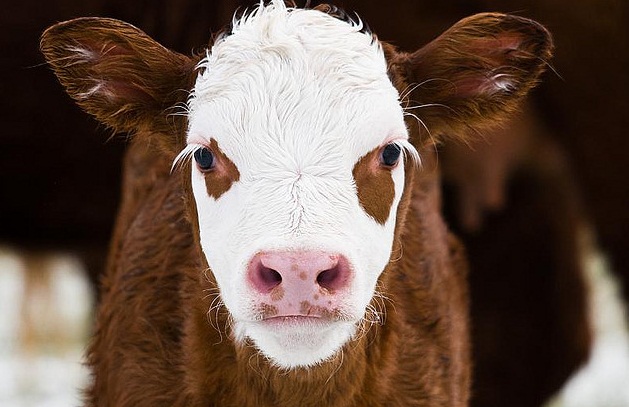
(295,321)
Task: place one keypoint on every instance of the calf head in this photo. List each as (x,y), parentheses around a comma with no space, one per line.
(295,149)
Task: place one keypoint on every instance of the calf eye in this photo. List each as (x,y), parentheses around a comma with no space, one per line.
(204,159)
(390,155)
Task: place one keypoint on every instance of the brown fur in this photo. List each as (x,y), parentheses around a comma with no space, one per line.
(374,186)
(156,344)
(398,367)
(127,99)
(220,179)
(519,52)
(529,313)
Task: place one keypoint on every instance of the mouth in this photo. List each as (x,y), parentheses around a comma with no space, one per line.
(296,321)
(294,339)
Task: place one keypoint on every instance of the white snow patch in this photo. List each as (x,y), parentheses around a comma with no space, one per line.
(49,373)
(604,380)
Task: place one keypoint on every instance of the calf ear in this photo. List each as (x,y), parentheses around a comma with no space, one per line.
(475,73)
(116,72)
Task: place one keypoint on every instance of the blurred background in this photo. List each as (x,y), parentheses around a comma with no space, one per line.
(540,203)
(44,325)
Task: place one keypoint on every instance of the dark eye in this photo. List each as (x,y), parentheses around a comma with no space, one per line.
(390,155)
(204,159)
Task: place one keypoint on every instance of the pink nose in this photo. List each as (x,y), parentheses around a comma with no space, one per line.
(299,272)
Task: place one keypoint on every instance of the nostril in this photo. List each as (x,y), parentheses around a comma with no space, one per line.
(269,276)
(336,277)
(264,278)
(328,278)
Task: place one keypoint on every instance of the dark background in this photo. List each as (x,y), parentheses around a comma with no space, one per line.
(60,170)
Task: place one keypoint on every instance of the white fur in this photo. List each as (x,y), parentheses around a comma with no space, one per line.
(604,380)
(294,98)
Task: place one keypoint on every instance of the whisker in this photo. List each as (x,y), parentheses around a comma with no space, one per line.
(341,357)
(213,315)
(399,256)
(180,110)
(412,88)
(255,355)
(420,121)
(408,90)
(427,105)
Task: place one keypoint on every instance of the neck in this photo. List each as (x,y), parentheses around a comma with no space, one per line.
(236,374)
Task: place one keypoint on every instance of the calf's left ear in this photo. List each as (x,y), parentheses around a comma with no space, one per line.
(474,74)
(116,72)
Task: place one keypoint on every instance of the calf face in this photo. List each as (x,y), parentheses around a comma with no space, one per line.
(298,148)
(297,177)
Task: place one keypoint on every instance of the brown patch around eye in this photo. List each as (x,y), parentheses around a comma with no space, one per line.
(374,186)
(225,173)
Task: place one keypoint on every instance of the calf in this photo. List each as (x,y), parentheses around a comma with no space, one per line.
(279,241)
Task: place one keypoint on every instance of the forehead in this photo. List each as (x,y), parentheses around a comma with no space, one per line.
(294,79)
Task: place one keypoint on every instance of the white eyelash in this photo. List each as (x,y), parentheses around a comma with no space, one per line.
(184,156)
(408,149)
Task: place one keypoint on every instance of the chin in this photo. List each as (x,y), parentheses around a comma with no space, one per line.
(295,341)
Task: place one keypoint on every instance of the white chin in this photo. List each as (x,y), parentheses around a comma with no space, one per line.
(291,342)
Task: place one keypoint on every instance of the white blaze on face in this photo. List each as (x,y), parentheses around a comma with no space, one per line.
(294,99)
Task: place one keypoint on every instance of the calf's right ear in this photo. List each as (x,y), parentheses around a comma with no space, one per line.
(116,72)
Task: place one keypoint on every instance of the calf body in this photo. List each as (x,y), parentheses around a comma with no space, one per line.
(296,254)
(180,351)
